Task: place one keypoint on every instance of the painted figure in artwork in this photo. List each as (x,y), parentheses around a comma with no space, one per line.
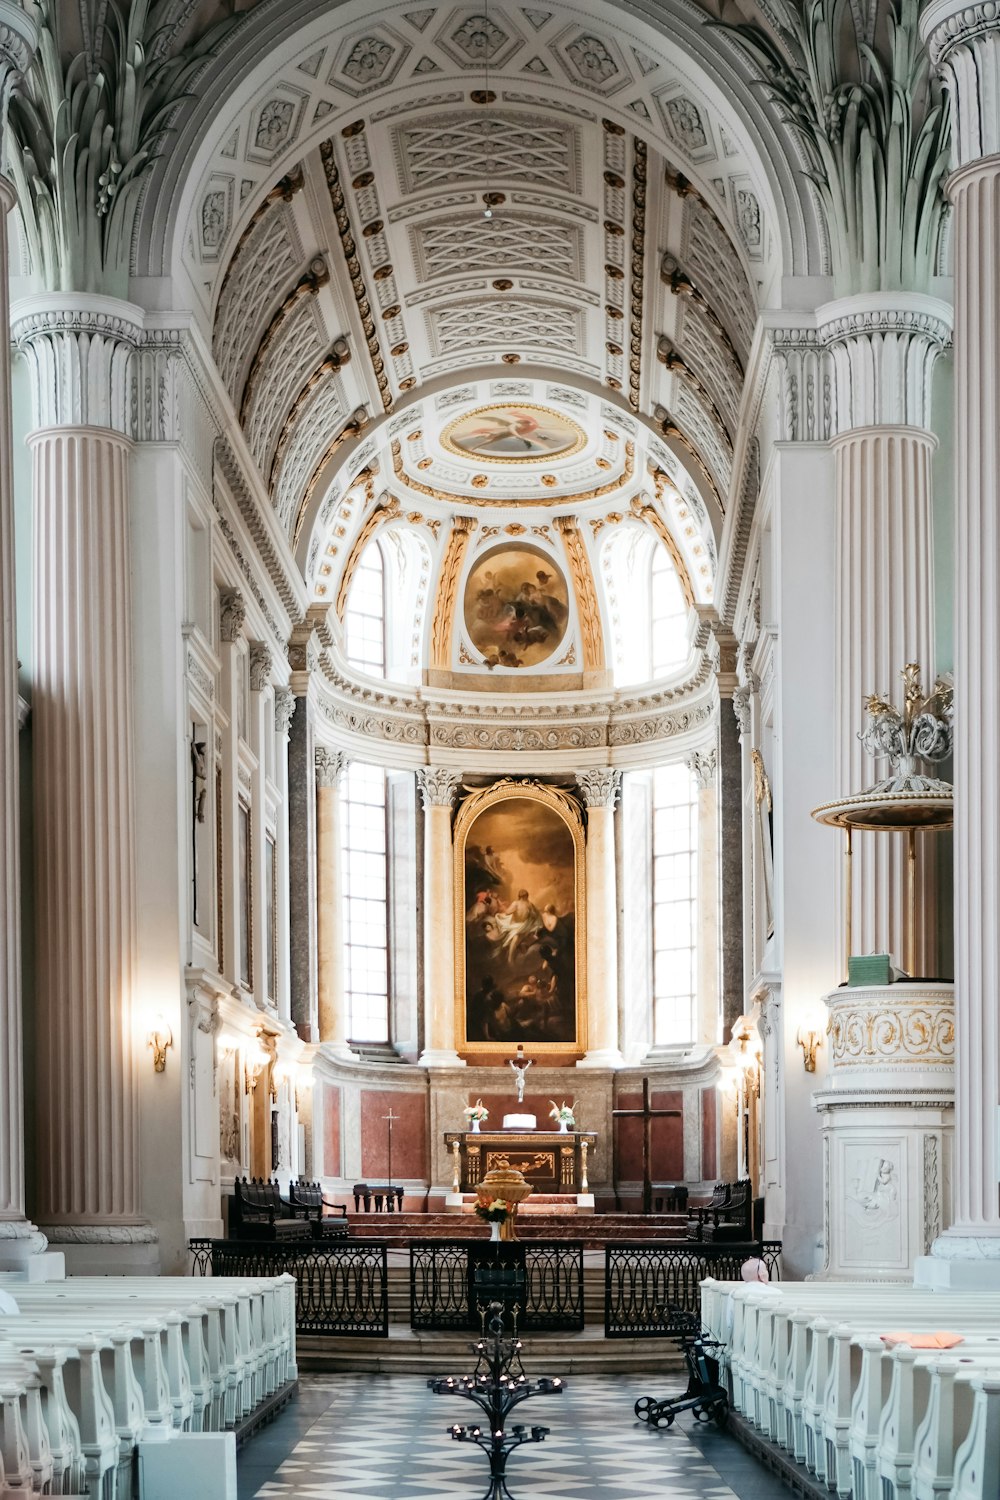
(516,607)
(519,905)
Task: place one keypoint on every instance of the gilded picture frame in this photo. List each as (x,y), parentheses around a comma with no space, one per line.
(536,845)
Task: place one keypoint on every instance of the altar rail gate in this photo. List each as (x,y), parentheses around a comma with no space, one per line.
(646,1285)
(450,1280)
(341,1287)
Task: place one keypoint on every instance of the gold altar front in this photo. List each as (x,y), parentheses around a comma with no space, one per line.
(550,1160)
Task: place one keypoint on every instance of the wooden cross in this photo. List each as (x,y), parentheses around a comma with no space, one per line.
(391,1119)
(647,1116)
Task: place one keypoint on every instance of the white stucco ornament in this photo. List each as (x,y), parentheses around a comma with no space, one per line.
(921,732)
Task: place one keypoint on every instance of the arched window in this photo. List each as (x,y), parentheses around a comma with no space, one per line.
(364,617)
(675,904)
(647,607)
(366,903)
(668,643)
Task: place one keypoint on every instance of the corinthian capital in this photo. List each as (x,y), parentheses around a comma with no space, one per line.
(882,348)
(600,787)
(963,42)
(284,709)
(330,767)
(260,666)
(232,613)
(81,351)
(438,787)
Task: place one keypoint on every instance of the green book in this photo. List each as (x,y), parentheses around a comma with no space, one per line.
(866,969)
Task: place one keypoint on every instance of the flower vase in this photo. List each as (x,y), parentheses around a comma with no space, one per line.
(494,1230)
(563,1127)
(475,1127)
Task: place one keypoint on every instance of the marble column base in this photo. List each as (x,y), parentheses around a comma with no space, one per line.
(961,1262)
(440,1057)
(20,1242)
(107,1249)
(602,1057)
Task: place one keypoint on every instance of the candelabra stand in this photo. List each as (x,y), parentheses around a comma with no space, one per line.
(497,1385)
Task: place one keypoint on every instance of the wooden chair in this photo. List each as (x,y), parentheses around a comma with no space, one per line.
(308,1196)
(258,1212)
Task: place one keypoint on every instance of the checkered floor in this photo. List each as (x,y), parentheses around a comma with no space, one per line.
(385,1438)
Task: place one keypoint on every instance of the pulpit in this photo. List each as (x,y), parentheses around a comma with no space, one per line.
(553,1161)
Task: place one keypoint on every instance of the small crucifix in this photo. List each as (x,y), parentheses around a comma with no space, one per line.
(390,1120)
(647,1116)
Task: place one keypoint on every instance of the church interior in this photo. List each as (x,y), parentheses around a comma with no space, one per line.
(499,603)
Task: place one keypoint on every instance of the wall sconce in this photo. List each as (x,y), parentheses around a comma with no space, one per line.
(160,1038)
(809,1041)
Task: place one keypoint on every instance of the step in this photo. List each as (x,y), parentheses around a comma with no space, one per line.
(408,1352)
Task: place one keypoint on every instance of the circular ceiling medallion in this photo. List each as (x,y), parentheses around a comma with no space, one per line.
(508,432)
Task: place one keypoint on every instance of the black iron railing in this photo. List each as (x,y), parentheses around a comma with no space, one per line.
(449,1278)
(648,1287)
(341,1287)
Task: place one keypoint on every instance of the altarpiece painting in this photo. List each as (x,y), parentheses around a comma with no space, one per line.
(520,919)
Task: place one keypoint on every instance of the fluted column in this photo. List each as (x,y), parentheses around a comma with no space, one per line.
(333,1019)
(89,1196)
(600,789)
(438,788)
(964,43)
(882,350)
(18,1237)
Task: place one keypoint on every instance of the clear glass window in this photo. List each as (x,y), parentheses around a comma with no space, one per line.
(364,616)
(366,907)
(675,905)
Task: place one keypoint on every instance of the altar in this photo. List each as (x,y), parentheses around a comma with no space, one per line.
(553,1161)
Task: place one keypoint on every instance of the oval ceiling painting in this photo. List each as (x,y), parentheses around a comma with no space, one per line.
(509,433)
(516,606)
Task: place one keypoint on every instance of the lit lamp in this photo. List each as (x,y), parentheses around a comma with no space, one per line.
(160,1038)
(809,1041)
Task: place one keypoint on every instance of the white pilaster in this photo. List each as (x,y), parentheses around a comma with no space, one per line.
(438,788)
(703,765)
(882,350)
(600,789)
(964,43)
(88,1149)
(18,1237)
(333,1020)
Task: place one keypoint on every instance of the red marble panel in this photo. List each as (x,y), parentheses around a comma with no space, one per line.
(331,1131)
(409,1134)
(709,1133)
(666,1139)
